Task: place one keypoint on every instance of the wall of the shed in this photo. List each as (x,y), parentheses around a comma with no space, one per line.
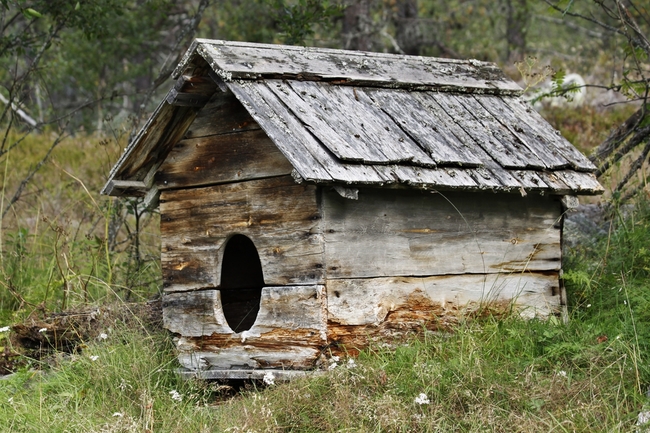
(226,177)
(278,215)
(283,221)
(397,259)
(223,144)
(289,331)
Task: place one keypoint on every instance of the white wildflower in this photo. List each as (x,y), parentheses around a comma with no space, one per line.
(94,357)
(103,336)
(351,363)
(5,329)
(269,378)
(42,330)
(118,414)
(422,399)
(332,366)
(588,305)
(562,373)
(176,396)
(643,418)
(336,358)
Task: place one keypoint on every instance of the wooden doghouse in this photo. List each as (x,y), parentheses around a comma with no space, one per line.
(311,199)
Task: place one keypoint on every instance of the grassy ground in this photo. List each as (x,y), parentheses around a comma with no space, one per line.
(501,375)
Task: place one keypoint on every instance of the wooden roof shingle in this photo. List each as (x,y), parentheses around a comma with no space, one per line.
(361,118)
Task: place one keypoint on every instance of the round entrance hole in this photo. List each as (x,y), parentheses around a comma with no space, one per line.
(241,283)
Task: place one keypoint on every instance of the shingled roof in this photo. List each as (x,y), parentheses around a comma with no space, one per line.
(358,118)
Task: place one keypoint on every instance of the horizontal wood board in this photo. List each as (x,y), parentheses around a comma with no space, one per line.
(413,233)
(289,330)
(373,301)
(237,60)
(280,217)
(222,158)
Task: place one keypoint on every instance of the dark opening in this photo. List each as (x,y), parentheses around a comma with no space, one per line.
(241,283)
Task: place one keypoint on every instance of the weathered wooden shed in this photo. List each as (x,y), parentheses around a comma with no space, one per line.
(312,199)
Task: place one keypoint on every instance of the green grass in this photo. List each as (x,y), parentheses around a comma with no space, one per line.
(62,244)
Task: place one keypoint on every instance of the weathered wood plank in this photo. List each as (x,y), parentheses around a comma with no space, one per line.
(289,330)
(541,127)
(579,183)
(376,300)
(315,112)
(222,158)
(368,124)
(308,156)
(444,177)
(236,60)
(135,188)
(362,310)
(191,268)
(463,125)
(412,233)
(530,179)
(186,99)
(193,314)
(285,131)
(495,138)
(430,132)
(163,129)
(536,142)
(224,114)
(279,216)
(349,124)
(279,375)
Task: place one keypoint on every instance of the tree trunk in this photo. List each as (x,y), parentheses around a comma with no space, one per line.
(517,20)
(356,26)
(407,30)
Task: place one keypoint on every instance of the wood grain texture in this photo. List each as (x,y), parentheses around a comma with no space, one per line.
(412,233)
(308,156)
(223,114)
(376,300)
(279,216)
(166,126)
(349,124)
(528,116)
(237,60)
(221,158)
(289,331)
(527,137)
(425,122)
(429,131)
